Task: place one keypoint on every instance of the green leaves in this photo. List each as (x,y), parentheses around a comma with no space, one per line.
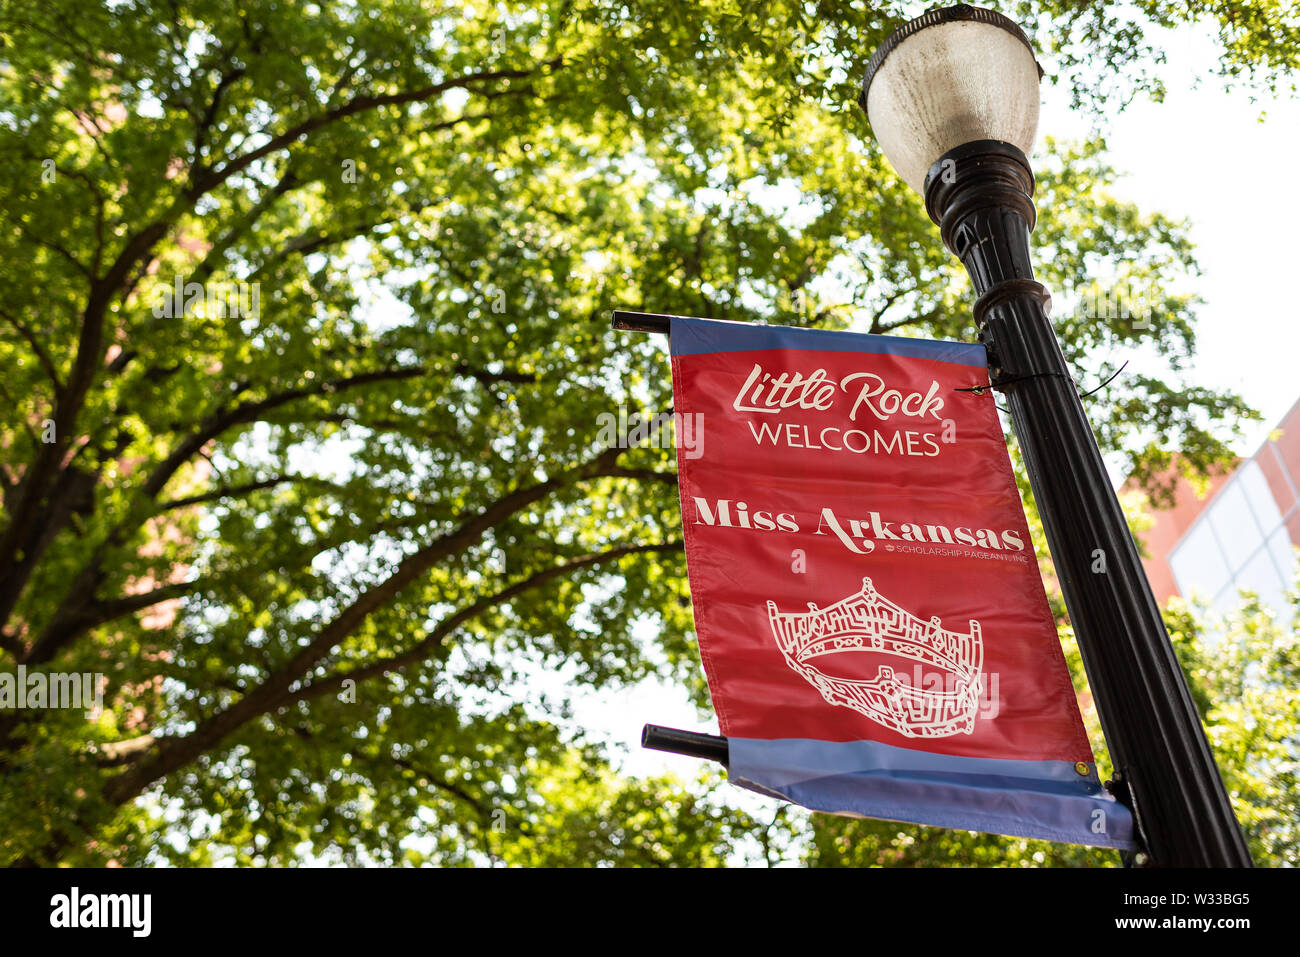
(1243,680)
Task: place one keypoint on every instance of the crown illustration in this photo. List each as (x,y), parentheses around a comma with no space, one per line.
(867,621)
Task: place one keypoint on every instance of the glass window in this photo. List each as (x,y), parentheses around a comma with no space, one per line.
(1234,525)
(1284,555)
(1261,576)
(1260,496)
(1198,565)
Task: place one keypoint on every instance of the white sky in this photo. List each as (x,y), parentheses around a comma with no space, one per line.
(1205,155)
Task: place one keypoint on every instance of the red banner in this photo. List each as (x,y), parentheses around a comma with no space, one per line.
(869,608)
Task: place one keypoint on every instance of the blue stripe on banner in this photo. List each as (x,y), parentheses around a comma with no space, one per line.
(1048,800)
(694,336)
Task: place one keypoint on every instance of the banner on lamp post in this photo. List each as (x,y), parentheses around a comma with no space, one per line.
(870,614)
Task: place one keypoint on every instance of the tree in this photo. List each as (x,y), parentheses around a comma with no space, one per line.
(1244,681)
(302,363)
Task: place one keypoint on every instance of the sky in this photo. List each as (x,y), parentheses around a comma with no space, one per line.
(1206,154)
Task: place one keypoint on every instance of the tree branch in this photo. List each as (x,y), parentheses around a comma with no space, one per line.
(80,610)
(306,243)
(116,753)
(288,181)
(30,511)
(29,498)
(204,126)
(206,180)
(875,326)
(225,491)
(419,651)
(436,782)
(247,412)
(69,622)
(645,475)
(275,690)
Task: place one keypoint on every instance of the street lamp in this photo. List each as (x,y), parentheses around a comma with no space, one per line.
(952,97)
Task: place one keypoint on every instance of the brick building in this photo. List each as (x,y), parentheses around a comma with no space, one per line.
(1239,535)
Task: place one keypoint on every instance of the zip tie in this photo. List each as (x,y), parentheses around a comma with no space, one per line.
(980,389)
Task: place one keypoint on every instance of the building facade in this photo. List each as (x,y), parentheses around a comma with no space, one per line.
(1240,535)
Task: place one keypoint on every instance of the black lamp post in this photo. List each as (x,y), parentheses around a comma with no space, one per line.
(952,97)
